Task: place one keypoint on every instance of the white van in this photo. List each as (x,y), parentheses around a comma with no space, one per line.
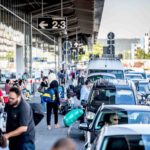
(106,65)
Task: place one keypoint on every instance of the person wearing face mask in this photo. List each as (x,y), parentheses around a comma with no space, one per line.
(20,127)
(64,144)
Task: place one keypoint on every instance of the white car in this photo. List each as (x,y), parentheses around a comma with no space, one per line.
(123,137)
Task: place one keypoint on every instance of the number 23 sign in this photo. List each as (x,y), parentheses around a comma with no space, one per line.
(53,23)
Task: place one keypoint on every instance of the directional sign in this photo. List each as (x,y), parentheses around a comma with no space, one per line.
(110,42)
(67,45)
(111,49)
(54,23)
(111,35)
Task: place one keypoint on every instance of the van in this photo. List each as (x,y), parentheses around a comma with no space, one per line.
(106,65)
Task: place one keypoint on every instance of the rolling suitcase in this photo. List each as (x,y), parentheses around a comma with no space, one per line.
(72,116)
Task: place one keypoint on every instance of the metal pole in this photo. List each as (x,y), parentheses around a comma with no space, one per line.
(55,55)
(24,21)
(61,8)
(31,48)
(42,8)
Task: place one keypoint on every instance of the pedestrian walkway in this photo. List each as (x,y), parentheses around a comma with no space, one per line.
(45,138)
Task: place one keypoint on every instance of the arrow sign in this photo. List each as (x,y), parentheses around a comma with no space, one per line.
(53,23)
(43,24)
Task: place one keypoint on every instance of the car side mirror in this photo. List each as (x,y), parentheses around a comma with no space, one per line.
(84,126)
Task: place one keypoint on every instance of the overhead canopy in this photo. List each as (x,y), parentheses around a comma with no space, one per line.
(83,16)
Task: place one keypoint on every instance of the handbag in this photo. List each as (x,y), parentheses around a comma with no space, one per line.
(41,89)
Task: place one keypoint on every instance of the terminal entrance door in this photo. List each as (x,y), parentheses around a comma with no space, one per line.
(19,61)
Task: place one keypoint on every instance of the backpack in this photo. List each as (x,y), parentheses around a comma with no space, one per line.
(61,92)
(49,95)
(41,89)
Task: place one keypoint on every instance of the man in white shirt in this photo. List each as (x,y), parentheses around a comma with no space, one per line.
(85,91)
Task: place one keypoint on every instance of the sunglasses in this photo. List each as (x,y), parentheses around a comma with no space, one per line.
(115,119)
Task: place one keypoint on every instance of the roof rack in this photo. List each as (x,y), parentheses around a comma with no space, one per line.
(106,58)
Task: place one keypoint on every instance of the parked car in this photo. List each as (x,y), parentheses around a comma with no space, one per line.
(133,76)
(110,92)
(123,137)
(127,114)
(143,73)
(143,86)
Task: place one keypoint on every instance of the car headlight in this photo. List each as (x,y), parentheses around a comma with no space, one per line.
(90,115)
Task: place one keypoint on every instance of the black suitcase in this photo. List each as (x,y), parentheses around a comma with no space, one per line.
(38,114)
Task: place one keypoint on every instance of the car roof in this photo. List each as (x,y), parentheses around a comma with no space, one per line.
(143,81)
(125,107)
(113,83)
(100,73)
(131,74)
(105,64)
(136,72)
(126,129)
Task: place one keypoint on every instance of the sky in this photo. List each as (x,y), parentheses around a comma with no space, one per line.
(126,18)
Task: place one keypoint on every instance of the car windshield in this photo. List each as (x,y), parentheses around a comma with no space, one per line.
(125,117)
(140,73)
(103,95)
(111,96)
(96,77)
(126,142)
(144,87)
(118,73)
(133,76)
(125,97)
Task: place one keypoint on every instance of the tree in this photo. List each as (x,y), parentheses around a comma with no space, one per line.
(140,54)
(97,50)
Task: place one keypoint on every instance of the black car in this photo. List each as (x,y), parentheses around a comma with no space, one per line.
(110,92)
(127,114)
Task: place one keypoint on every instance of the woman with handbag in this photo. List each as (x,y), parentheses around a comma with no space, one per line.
(43,86)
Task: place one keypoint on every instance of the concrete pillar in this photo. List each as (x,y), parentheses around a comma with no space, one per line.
(20,69)
(60,54)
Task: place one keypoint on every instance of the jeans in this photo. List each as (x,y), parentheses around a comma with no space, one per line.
(22,146)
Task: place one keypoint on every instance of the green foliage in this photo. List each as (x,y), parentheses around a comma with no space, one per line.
(97,50)
(140,54)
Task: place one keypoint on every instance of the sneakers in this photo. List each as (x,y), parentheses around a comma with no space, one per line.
(56,126)
(49,127)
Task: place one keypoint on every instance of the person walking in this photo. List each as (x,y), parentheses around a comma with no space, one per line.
(52,76)
(42,88)
(20,128)
(53,104)
(7,86)
(1,97)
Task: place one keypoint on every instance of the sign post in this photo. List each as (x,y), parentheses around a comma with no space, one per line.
(111,42)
